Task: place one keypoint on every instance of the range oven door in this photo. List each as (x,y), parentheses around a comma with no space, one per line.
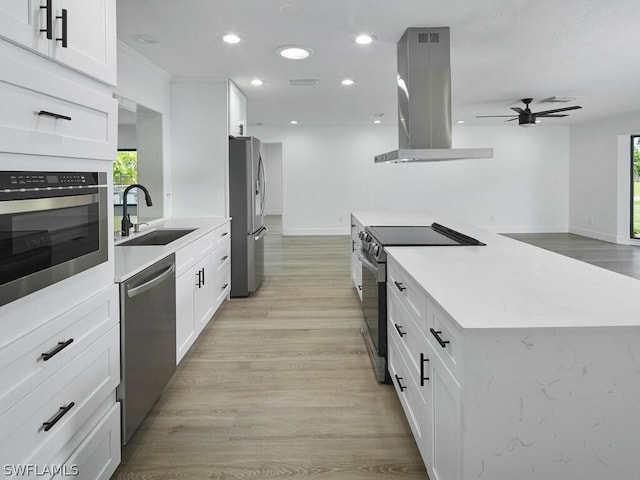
(374,310)
(48,236)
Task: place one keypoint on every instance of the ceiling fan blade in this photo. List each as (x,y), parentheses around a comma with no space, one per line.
(495,116)
(517,109)
(550,116)
(557,110)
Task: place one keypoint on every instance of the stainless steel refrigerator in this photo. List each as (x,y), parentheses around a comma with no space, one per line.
(246,206)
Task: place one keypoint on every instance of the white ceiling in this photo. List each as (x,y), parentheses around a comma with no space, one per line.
(501,51)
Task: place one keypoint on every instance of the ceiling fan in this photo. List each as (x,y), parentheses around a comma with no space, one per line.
(527,118)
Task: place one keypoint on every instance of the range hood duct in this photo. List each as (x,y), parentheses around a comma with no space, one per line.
(424,100)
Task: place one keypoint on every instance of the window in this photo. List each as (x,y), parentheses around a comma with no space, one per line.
(125,173)
(635,186)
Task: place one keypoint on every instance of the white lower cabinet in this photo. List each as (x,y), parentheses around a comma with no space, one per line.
(202,285)
(47,425)
(356,266)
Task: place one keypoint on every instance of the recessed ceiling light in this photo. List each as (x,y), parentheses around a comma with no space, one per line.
(377,122)
(144,38)
(231,38)
(364,39)
(293,52)
(293,122)
(257,82)
(460,121)
(347,81)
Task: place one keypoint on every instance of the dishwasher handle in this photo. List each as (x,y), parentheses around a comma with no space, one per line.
(132,292)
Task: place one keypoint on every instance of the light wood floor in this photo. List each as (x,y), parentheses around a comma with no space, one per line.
(279,385)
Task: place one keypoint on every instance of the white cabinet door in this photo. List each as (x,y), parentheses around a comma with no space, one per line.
(185,319)
(90,37)
(204,295)
(447,422)
(21,21)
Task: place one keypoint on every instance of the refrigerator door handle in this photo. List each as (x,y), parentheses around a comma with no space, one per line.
(264,186)
(261,233)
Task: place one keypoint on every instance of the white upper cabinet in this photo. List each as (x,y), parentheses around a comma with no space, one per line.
(77,33)
(237,112)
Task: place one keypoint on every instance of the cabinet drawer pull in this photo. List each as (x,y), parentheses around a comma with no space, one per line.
(353,246)
(400,332)
(422,377)
(61,413)
(436,333)
(224,234)
(63,17)
(57,349)
(224,258)
(402,387)
(399,285)
(224,286)
(199,274)
(202,275)
(49,22)
(57,116)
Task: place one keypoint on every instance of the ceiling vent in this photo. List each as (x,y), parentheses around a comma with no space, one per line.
(303,82)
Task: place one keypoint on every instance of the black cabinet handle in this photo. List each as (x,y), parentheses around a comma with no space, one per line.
(63,39)
(224,286)
(399,285)
(402,387)
(57,349)
(224,234)
(57,116)
(422,377)
(202,276)
(224,258)
(443,343)
(400,332)
(62,412)
(353,246)
(49,23)
(199,284)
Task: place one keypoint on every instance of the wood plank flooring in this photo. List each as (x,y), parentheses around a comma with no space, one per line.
(279,385)
(623,259)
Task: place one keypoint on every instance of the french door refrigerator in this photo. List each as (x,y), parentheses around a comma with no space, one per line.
(246,207)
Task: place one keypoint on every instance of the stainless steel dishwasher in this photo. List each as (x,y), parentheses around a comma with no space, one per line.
(148,340)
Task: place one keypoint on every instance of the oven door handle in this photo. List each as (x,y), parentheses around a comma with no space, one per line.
(379,271)
(42,204)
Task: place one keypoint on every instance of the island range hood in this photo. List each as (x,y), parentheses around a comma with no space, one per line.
(424,100)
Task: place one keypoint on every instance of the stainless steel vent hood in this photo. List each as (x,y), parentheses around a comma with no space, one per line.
(424,100)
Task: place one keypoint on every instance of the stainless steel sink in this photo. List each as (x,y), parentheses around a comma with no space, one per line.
(157,237)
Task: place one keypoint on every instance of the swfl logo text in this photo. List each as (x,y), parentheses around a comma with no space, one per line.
(30,469)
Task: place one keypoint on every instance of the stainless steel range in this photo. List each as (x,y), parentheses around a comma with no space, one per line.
(374,278)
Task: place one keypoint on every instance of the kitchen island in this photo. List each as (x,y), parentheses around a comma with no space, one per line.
(514,362)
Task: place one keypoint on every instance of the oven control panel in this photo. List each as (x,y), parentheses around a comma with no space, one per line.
(11,180)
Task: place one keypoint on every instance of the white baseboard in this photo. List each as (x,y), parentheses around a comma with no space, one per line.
(593,234)
(526,228)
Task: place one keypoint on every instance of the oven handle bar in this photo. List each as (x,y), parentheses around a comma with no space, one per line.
(42,204)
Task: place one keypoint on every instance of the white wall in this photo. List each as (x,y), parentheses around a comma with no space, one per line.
(200,147)
(599,180)
(329,172)
(146,84)
(272,157)
(127,137)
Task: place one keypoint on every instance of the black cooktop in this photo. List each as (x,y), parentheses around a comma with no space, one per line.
(433,235)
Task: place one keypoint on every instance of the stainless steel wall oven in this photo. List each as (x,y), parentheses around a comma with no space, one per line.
(52,226)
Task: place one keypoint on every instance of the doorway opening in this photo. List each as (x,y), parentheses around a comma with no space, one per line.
(635,186)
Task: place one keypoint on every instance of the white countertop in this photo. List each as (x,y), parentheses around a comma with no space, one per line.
(510,284)
(130,260)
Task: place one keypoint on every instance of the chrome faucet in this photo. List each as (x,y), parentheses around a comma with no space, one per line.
(126,225)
